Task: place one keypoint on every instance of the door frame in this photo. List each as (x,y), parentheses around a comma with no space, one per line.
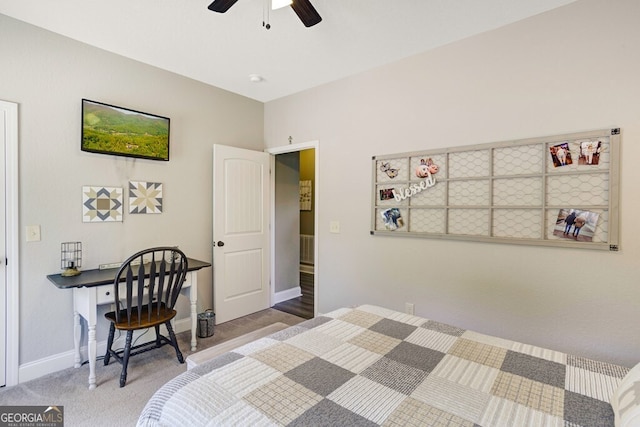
(290,149)
(12,361)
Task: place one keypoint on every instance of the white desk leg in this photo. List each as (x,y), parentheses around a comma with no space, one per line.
(77,331)
(84,301)
(92,356)
(193,297)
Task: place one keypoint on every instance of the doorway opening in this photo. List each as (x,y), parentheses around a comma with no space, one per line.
(294,229)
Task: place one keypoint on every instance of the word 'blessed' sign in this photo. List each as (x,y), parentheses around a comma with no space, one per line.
(414,189)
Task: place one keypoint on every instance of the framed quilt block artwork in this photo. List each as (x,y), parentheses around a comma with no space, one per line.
(145,197)
(101,204)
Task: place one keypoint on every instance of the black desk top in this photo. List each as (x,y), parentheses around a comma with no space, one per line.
(97,277)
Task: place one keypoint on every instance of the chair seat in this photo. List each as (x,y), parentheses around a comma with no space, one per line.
(142,320)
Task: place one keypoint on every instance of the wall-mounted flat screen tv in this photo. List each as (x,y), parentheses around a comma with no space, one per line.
(108,129)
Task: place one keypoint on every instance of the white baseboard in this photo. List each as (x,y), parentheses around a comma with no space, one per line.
(57,362)
(287,295)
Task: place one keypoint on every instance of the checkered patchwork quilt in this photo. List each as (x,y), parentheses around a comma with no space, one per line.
(370,366)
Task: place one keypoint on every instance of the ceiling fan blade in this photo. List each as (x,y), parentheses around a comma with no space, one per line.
(306,12)
(221,6)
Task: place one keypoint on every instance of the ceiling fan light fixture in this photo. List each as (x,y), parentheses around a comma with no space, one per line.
(278,4)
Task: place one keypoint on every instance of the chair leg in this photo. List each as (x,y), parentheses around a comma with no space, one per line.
(125,358)
(174,341)
(158,340)
(112,331)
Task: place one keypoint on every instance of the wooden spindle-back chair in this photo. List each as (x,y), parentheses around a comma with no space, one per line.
(146,288)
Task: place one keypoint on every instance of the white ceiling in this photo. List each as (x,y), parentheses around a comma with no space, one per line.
(222,50)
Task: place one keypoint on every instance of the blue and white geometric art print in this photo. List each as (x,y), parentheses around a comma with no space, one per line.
(101,204)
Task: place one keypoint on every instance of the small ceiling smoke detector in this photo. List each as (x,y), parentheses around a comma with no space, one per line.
(255,78)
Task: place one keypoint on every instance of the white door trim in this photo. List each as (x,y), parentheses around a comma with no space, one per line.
(10,111)
(290,149)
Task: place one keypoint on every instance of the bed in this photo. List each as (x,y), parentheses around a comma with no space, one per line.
(369,366)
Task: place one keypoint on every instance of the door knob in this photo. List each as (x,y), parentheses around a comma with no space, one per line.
(220,243)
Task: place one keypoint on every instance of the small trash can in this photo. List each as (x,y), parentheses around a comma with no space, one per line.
(206,321)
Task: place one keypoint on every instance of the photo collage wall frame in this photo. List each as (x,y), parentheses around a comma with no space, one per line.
(556,191)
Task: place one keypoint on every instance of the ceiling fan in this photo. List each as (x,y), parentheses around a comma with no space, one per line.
(303,8)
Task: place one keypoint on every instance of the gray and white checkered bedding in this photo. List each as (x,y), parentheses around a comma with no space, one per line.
(369,366)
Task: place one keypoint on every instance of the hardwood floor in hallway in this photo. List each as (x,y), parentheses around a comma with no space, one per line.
(301,306)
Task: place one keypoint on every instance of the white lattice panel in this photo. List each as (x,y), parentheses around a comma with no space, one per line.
(558,190)
(521,160)
(517,223)
(427,221)
(517,191)
(469,193)
(436,196)
(602,227)
(577,189)
(469,164)
(474,222)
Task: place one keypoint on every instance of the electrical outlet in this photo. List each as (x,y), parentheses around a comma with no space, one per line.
(409,308)
(334,227)
(33,233)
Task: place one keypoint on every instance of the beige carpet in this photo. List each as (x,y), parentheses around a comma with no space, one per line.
(110,405)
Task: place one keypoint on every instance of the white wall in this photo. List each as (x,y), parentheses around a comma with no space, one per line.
(48,75)
(572,69)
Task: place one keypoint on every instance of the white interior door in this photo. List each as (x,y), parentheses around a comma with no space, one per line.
(3,252)
(241,262)
(9,245)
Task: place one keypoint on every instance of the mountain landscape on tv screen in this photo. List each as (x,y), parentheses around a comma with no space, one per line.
(108,129)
